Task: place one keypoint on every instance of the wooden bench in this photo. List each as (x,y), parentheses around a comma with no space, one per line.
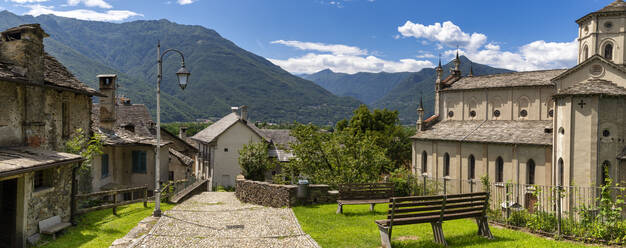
(363,193)
(52,225)
(435,210)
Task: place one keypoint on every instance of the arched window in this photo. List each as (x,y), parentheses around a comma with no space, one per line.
(446,165)
(424,162)
(499,170)
(530,171)
(585,52)
(608,51)
(471,167)
(561,171)
(606,168)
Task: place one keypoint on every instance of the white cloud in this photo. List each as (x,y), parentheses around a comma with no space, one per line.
(535,55)
(82,14)
(185,2)
(90,3)
(336,49)
(28,1)
(426,56)
(447,33)
(342,58)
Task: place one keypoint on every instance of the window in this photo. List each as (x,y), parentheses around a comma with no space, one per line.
(608,25)
(472,113)
(225,149)
(606,168)
(496,113)
(523,113)
(608,51)
(42,179)
(170,176)
(104,166)
(606,133)
(424,162)
(499,170)
(65,119)
(530,171)
(139,162)
(446,165)
(561,171)
(471,174)
(450,114)
(551,113)
(586,52)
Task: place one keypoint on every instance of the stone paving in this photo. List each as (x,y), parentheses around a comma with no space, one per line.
(218,219)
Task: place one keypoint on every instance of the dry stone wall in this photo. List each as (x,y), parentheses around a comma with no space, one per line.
(278,195)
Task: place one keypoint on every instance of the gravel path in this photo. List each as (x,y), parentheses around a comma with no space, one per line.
(218,219)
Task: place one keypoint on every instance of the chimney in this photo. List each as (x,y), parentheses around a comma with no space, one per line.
(22,46)
(108,104)
(182,132)
(235,110)
(244,113)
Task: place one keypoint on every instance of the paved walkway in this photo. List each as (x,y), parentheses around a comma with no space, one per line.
(218,219)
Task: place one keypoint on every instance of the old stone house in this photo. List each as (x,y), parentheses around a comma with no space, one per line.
(554,127)
(129,142)
(183,155)
(220,143)
(43,105)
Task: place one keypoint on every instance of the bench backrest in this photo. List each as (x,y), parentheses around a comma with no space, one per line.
(49,222)
(423,206)
(365,191)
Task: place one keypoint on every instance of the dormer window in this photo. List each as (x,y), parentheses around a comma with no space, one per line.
(12,36)
(608,51)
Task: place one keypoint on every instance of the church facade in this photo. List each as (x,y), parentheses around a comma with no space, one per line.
(553,127)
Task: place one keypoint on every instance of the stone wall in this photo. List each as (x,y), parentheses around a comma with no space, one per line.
(278,195)
(266,194)
(51,201)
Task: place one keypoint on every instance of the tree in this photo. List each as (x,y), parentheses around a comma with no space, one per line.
(334,158)
(255,161)
(87,147)
(384,126)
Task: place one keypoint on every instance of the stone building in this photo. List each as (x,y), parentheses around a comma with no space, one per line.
(553,127)
(43,105)
(183,155)
(129,142)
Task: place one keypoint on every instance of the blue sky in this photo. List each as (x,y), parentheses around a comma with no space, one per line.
(304,36)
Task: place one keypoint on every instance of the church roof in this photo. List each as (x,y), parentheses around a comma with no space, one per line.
(216,129)
(618,6)
(505,80)
(593,87)
(491,131)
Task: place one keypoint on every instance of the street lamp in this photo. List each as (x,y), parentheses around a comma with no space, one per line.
(183,76)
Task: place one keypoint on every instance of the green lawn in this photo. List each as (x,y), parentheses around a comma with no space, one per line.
(100,228)
(356,228)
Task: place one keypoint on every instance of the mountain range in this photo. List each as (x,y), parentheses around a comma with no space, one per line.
(396,91)
(222,74)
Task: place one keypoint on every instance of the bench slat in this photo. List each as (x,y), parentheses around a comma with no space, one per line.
(438,207)
(435,197)
(437,213)
(356,202)
(55,228)
(428,219)
(439,202)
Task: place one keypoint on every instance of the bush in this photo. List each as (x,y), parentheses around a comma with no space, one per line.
(518,218)
(255,161)
(403,182)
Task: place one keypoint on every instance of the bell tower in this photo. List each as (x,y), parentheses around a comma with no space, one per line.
(602,33)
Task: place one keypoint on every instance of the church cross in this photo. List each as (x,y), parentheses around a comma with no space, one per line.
(582,104)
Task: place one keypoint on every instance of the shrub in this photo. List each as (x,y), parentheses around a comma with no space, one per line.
(255,161)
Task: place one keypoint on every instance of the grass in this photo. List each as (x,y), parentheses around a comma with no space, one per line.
(100,228)
(356,228)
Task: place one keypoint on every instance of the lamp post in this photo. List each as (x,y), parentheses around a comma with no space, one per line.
(182,75)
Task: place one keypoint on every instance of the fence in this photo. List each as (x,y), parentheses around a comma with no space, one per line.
(84,203)
(172,188)
(554,209)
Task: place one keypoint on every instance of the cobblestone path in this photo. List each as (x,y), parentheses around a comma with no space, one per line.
(218,219)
